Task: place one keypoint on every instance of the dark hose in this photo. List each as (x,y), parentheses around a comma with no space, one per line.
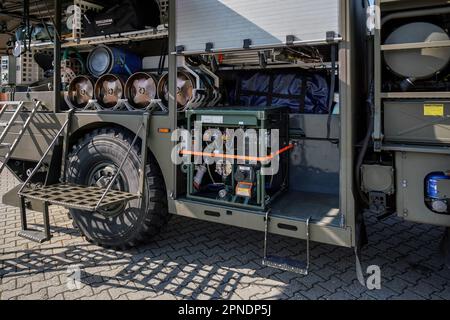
(370,125)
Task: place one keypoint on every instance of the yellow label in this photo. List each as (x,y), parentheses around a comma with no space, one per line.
(244,192)
(433,110)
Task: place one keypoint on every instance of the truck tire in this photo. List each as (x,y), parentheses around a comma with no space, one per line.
(94,159)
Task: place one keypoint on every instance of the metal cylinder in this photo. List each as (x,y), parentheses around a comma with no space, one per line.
(185,87)
(417,63)
(109,90)
(80,92)
(110,60)
(140,89)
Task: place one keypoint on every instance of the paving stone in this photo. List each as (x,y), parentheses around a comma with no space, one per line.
(198,260)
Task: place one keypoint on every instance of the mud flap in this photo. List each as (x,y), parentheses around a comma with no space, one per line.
(361,241)
(358,267)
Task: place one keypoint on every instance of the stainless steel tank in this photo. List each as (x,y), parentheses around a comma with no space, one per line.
(417,64)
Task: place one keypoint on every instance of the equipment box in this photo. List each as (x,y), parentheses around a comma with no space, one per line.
(227,24)
(245,173)
(417,121)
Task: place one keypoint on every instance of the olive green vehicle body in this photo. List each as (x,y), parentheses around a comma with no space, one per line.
(342,230)
(419,144)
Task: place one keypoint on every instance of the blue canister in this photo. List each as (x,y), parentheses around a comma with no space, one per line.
(110,60)
(432,182)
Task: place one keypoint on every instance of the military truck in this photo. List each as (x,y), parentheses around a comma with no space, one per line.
(189,113)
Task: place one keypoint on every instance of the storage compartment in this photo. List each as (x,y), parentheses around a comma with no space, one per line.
(255,98)
(417,121)
(243,157)
(257,87)
(415,52)
(233,24)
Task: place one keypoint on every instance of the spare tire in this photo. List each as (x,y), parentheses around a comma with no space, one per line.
(93,161)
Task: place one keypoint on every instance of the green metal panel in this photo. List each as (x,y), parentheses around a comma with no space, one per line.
(293,228)
(412,168)
(417,121)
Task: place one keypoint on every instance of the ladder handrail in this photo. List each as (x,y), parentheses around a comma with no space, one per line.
(20,134)
(41,161)
(11,121)
(6,104)
(110,184)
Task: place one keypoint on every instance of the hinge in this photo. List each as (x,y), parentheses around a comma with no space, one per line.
(247,43)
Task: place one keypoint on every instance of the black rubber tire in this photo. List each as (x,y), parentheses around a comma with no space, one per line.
(141,219)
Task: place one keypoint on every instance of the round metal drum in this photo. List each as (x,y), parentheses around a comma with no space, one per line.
(80,91)
(99,61)
(140,89)
(103,60)
(185,87)
(417,63)
(109,90)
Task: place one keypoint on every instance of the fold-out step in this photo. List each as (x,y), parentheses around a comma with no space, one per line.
(78,197)
(286,264)
(34,235)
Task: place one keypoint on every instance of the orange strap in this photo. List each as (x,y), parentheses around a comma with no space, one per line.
(236,157)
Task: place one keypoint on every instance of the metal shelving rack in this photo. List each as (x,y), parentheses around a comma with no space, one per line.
(142,35)
(381,96)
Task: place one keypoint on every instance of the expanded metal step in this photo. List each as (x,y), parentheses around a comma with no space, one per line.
(34,235)
(286,264)
(78,197)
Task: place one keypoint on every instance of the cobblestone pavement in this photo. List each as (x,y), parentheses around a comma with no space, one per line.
(198,260)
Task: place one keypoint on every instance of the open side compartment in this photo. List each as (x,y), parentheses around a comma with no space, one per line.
(291,64)
(257,88)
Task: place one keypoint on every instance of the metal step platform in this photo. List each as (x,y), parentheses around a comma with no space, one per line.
(78,197)
(286,264)
(34,235)
(71,196)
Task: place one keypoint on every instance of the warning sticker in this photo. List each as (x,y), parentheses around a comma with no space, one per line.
(433,110)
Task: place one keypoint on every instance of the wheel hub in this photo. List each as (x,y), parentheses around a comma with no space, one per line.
(101,176)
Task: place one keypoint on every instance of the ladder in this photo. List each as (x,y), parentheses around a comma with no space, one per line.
(16,107)
(281,263)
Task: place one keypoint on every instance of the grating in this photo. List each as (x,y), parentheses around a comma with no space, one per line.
(77,197)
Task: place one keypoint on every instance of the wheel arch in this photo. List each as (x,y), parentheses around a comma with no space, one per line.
(80,132)
(77,134)
(145,222)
